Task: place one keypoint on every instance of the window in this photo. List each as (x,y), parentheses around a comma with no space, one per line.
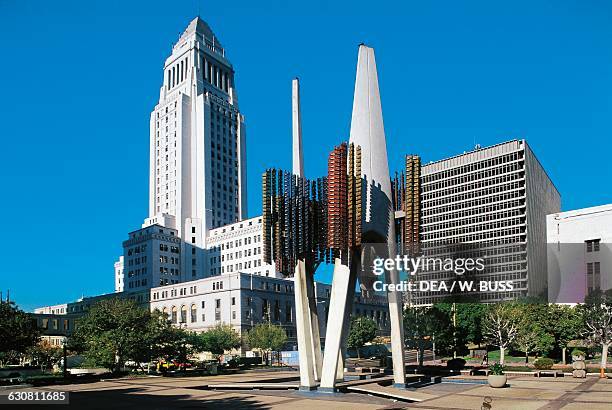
(233,301)
(174,314)
(288,312)
(592,245)
(183,314)
(264,309)
(276,310)
(194,313)
(217,303)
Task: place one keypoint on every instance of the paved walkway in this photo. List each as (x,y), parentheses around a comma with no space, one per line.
(525,392)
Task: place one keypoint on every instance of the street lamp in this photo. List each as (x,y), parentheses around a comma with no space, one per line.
(65,357)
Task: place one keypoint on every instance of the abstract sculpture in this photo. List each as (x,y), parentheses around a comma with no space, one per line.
(345,218)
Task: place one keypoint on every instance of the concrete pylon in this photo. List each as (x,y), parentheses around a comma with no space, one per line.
(367,131)
(296,115)
(335,324)
(303,328)
(314,325)
(307,319)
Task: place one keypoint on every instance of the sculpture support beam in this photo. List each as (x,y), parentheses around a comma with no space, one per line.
(396,318)
(335,324)
(304,328)
(314,324)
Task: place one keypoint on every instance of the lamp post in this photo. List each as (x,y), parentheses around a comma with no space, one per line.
(65,357)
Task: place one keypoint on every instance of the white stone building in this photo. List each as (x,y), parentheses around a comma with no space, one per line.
(237,248)
(53,310)
(197,177)
(119,278)
(579,253)
(244,300)
(152,257)
(492,201)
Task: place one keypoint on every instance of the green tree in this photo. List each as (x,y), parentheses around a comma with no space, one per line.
(220,338)
(569,325)
(526,337)
(161,340)
(598,323)
(534,327)
(45,355)
(18,332)
(424,324)
(466,328)
(363,330)
(500,327)
(267,337)
(112,332)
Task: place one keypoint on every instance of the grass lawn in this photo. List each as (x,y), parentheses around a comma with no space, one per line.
(494,357)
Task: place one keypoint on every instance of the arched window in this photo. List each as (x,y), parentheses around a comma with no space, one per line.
(165,312)
(194,313)
(174,314)
(183,314)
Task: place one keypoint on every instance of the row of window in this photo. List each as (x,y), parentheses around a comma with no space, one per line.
(473,167)
(509,167)
(177,73)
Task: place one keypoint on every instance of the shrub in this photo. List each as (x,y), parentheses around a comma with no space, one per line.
(496,369)
(456,364)
(578,353)
(234,362)
(543,363)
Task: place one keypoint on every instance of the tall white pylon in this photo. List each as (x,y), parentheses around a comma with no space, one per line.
(367,131)
(307,320)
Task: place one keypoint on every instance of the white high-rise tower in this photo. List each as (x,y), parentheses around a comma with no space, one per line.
(197,150)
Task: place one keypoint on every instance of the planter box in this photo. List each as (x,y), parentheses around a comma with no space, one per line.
(497,380)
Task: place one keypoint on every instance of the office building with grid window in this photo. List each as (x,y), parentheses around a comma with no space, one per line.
(491,203)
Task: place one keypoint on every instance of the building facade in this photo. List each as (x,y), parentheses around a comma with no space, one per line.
(244,300)
(238,247)
(197,140)
(152,257)
(119,278)
(53,310)
(197,177)
(491,203)
(579,245)
(54,327)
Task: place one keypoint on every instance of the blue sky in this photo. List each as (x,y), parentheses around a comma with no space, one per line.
(79,80)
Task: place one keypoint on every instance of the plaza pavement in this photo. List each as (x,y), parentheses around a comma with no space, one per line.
(525,392)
